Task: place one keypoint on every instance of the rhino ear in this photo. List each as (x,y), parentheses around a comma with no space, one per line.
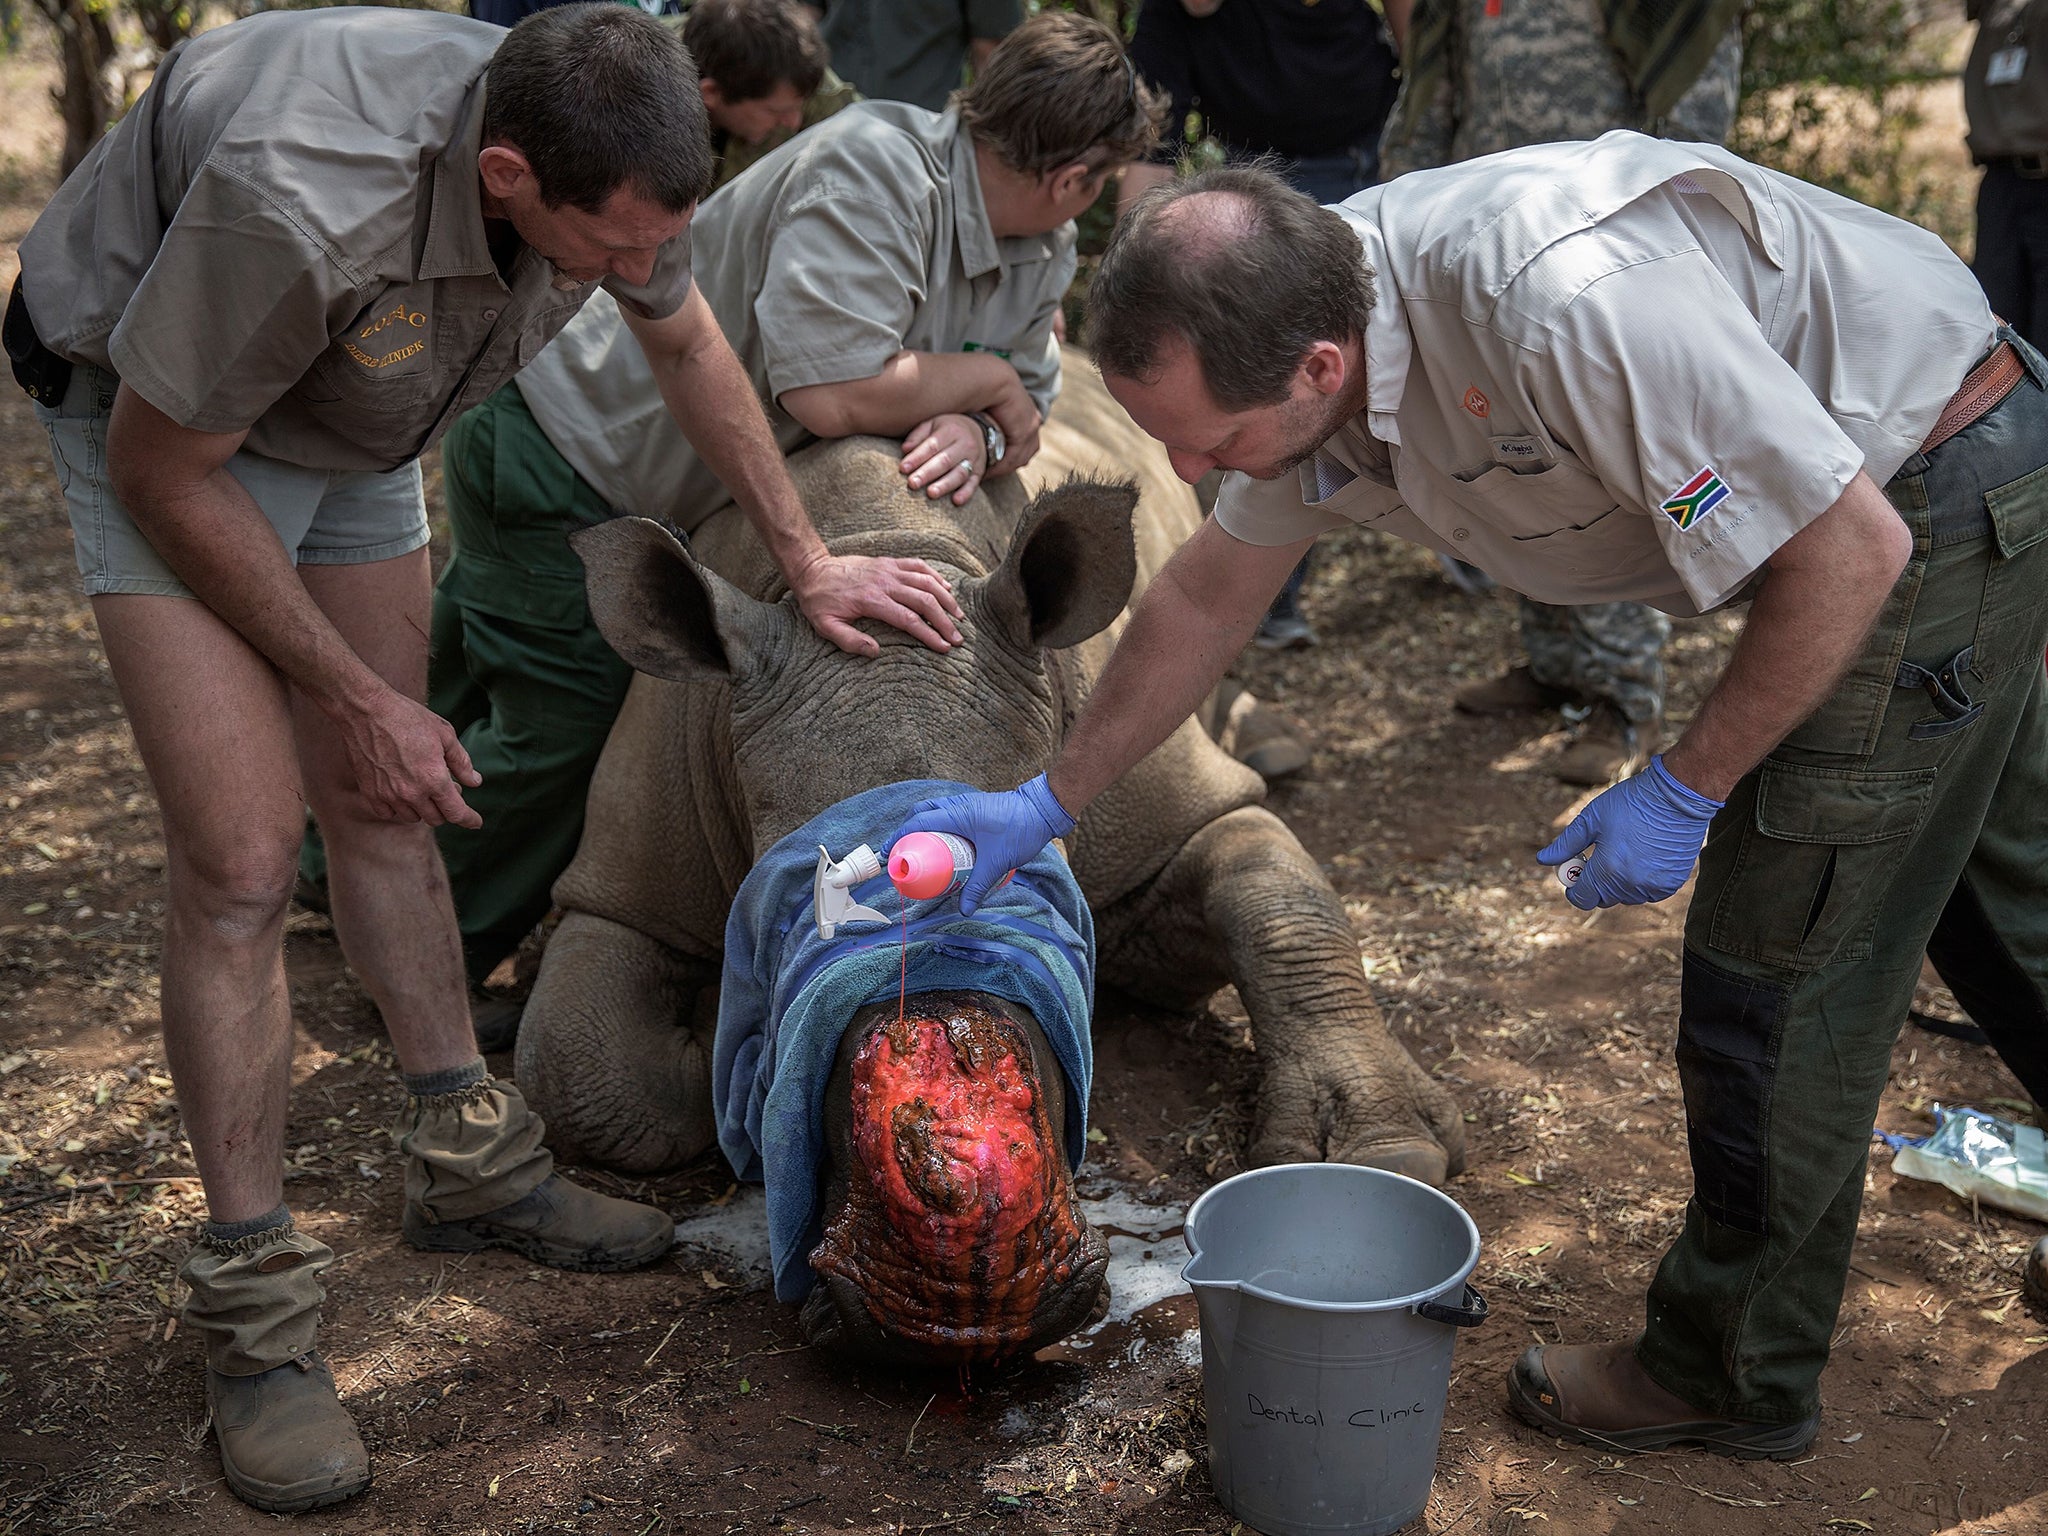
(1071,567)
(665,614)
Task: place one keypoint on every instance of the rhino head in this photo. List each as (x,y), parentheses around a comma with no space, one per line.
(952,1234)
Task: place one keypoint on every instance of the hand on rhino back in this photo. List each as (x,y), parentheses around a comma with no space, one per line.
(747,724)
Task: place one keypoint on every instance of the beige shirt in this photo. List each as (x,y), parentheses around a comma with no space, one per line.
(286,235)
(858,239)
(1626,369)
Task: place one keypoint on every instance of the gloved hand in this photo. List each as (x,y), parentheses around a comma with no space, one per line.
(1006,829)
(1646,834)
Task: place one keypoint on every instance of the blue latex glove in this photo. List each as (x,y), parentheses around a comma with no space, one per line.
(1646,834)
(1007,830)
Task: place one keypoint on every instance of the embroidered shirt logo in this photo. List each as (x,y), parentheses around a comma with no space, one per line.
(1694,502)
(405,319)
(1477,403)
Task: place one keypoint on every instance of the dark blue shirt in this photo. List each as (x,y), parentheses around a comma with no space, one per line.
(1299,78)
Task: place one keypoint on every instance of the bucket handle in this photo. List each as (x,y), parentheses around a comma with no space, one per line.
(1470,1315)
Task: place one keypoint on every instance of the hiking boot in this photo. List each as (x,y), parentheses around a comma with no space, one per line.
(495,1020)
(1514,692)
(477,1176)
(1607,748)
(286,1443)
(1465,576)
(1270,743)
(1284,632)
(2034,1277)
(559,1224)
(1600,1395)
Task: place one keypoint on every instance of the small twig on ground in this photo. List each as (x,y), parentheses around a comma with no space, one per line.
(912,1436)
(663,1344)
(96,1186)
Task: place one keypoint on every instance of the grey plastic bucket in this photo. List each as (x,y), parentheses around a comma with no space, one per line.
(1330,1298)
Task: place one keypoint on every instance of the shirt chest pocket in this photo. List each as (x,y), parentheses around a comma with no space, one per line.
(1538,504)
(383,363)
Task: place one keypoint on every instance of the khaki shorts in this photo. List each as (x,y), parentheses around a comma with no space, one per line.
(321,516)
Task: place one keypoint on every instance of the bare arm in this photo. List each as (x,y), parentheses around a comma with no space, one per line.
(1825,588)
(1187,629)
(1397,13)
(409,766)
(978,50)
(916,386)
(713,402)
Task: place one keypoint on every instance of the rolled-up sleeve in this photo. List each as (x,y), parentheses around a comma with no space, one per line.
(1270,512)
(1665,387)
(238,303)
(845,275)
(664,291)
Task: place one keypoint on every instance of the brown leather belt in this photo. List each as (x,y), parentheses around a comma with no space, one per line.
(1987,384)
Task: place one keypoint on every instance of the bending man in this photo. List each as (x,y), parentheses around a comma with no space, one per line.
(1633,370)
(318,238)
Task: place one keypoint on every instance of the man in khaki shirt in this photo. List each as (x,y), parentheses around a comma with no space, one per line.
(317,238)
(1637,370)
(892,271)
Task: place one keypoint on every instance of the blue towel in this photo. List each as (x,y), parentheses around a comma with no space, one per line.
(787,995)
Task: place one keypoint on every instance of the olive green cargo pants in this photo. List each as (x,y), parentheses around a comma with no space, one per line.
(1909,813)
(518,669)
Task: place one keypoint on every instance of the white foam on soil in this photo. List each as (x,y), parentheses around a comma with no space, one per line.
(736,1232)
(1146,1252)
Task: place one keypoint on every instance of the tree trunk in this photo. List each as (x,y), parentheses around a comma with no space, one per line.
(85,43)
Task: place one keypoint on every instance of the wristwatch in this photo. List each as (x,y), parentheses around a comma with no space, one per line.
(991,437)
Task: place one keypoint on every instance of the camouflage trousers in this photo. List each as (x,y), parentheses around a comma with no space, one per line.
(1600,651)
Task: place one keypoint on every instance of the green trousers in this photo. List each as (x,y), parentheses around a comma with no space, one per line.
(1909,813)
(518,669)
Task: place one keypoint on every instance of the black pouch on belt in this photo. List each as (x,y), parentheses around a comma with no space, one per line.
(37,369)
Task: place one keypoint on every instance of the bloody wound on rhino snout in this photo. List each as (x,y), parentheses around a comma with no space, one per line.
(959,1224)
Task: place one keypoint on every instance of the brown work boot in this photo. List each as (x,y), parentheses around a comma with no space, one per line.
(2034,1277)
(1607,748)
(1599,1394)
(477,1176)
(1516,691)
(1269,742)
(286,1443)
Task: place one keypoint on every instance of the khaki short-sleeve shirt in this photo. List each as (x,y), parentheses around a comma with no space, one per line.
(286,235)
(1628,369)
(860,238)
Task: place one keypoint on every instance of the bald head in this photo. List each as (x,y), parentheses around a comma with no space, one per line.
(1247,272)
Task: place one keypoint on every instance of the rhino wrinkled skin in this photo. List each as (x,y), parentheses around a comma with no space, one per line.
(744,724)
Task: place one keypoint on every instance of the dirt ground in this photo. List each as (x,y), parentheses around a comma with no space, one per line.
(500,1398)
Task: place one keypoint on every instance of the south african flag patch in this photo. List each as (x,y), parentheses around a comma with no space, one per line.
(1693,502)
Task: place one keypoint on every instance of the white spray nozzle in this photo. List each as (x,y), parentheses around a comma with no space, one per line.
(832,889)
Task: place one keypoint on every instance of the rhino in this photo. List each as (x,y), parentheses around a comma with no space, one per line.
(743,724)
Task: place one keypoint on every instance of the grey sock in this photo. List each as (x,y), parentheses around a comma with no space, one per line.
(426,1085)
(234,1236)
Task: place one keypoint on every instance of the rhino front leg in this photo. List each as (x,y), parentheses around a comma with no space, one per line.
(614,1047)
(1335,1086)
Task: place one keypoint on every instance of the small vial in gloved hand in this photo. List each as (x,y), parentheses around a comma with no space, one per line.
(1569,871)
(925,865)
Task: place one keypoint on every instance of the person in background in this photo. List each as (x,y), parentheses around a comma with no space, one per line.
(914,50)
(1306,82)
(1486,75)
(765,75)
(2005,93)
